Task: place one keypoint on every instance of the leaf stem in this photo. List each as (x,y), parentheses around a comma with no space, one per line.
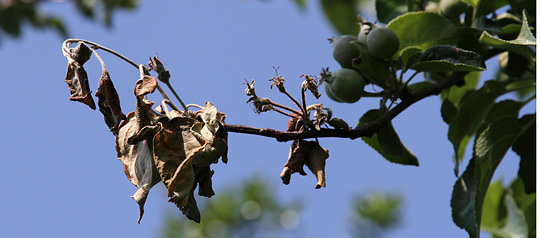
(67,42)
(100,60)
(176,95)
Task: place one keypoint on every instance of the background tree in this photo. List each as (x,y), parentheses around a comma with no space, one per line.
(250,209)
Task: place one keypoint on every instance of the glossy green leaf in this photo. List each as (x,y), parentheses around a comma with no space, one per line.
(387,142)
(390,9)
(525,147)
(440,58)
(518,45)
(342,14)
(471,114)
(422,29)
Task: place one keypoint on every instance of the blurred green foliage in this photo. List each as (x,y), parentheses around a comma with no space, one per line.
(376,213)
(250,209)
(15,14)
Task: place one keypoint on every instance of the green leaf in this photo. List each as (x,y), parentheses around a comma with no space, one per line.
(524,87)
(516,225)
(463,202)
(448,111)
(518,45)
(409,56)
(470,190)
(525,147)
(471,114)
(342,14)
(526,203)
(484,7)
(457,95)
(422,29)
(449,58)
(387,142)
(508,212)
(390,9)
(504,108)
(491,214)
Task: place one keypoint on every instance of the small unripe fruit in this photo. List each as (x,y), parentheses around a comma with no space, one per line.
(382,43)
(344,53)
(330,94)
(344,85)
(365,29)
(452,8)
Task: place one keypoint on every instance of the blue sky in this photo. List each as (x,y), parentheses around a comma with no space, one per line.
(58,158)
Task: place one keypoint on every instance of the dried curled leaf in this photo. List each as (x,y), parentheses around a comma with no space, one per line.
(184,149)
(76,77)
(147,84)
(137,160)
(215,136)
(338,123)
(297,153)
(163,73)
(109,102)
(316,162)
(309,153)
(295,123)
(204,179)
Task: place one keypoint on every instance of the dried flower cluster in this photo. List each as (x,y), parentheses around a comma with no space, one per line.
(302,152)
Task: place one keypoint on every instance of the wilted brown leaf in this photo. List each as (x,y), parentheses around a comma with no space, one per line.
(173,164)
(295,123)
(309,153)
(316,162)
(338,123)
(109,103)
(137,160)
(204,179)
(76,77)
(297,153)
(191,211)
(212,135)
(163,73)
(147,84)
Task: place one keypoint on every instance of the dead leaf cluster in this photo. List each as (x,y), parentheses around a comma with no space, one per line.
(172,146)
